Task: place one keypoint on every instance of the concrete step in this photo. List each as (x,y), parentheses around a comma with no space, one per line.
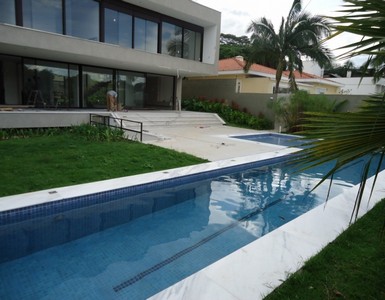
(170,118)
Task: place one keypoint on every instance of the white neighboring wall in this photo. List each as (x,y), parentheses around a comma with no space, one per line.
(356,86)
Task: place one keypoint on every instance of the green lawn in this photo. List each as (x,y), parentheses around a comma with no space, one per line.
(43,162)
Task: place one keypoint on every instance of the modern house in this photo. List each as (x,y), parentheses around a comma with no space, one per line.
(261,79)
(69,53)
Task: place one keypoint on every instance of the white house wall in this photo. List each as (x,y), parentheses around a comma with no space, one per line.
(356,86)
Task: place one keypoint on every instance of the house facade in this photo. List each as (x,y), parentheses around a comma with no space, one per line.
(69,53)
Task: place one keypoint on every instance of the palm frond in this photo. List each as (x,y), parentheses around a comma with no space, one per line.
(344,138)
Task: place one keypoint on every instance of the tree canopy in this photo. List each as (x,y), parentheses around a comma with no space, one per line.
(299,35)
(231,46)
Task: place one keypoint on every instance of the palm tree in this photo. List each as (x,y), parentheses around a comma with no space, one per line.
(361,133)
(299,35)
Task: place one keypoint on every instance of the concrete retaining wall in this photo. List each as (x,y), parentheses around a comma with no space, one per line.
(33,119)
(255,103)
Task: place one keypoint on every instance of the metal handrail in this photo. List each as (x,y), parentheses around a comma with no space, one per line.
(105,120)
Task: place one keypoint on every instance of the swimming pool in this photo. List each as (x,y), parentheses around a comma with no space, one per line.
(272,138)
(151,240)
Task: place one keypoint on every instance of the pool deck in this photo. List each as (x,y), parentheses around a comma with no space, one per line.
(256,269)
(210,142)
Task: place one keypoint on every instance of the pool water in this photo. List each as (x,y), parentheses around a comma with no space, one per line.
(273,138)
(141,244)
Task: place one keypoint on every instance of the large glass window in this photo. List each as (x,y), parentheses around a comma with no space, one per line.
(192,45)
(43,15)
(96,83)
(159,91)
(48,84)
(171,39)
(82,19)
(131,89)
(7,11)
(146,35)
(118,28)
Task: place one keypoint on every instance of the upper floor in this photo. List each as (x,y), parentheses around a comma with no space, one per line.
(182,30)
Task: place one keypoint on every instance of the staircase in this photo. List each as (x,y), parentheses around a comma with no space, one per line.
(155,120)
(171,118)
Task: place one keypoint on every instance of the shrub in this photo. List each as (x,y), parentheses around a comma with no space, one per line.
(290,111)
(229,113)
(89,132)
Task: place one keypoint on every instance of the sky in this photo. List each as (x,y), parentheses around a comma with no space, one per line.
(238,14)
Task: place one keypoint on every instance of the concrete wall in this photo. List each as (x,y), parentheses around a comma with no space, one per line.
(33,119)
(253,102)
(225,89)
(358,86)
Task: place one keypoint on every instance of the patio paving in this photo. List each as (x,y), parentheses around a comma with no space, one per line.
(210,142)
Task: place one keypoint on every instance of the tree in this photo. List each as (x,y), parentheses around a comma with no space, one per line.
(359,134)
(299,35)
(231,46)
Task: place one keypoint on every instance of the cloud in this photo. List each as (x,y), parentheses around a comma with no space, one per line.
(237,15)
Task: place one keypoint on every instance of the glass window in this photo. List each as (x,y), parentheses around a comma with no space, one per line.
(159,91)
(171,39)
(73,86)
(47,83)
(131,89)
(7,12)
(43,15)
(96,83)
(146,35)
(82,19)
(189,44)
(198,47)
(192,45)
(118,28)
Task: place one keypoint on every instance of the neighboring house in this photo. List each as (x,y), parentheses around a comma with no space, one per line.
(69,53)
(261,79)
(314,84)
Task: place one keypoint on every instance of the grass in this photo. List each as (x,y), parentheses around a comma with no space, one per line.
(351,267)
(43,162)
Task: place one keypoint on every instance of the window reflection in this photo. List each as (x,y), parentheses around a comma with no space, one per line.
(50,84)
(171,39)
(118,28)
(82,19)
(43,15)
(131,89)
(7,12)
(96,83)
(146,35)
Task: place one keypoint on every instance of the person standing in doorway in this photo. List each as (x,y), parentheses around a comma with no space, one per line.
(111,100)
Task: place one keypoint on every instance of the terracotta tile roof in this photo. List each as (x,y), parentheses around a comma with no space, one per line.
(304,75)
(308,77)
(234,64)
